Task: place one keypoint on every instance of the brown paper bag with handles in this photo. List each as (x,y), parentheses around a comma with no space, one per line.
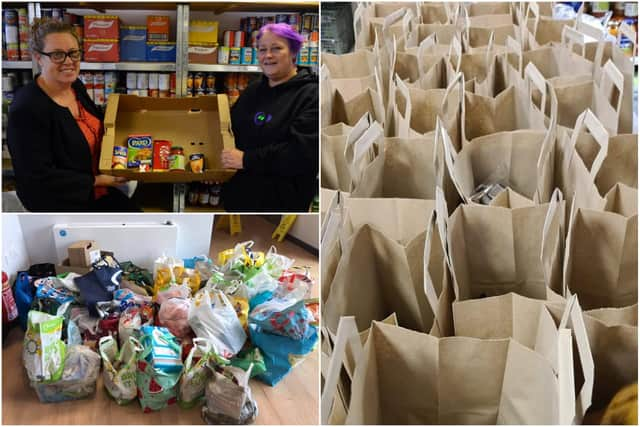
(334,171)
(613,336)
(401,219)
(522,160)
(377,20)
(542,30)
(436,13)
(349,112)
(508,262)
(340,366)
(381,393)
(531,323)
(392,272)
(601,257)
(350,65)
(619,166)
(599,52)
(573,175)
(528,104)
(551,61)
(576,95)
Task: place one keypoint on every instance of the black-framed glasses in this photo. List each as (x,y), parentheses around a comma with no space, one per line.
(59,56)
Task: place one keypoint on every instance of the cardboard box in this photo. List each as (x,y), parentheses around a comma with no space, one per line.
(101,27)
(203,32)
(158,28)
(200,125)
(83,253)
(133,43)
(161,51)
(203,54)
(66,268)
(101,51)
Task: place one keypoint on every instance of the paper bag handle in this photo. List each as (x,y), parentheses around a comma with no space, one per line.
(456,82)
(438,219)
(532,76)
(403,122)
(545,257)
(611,73)
(359,25)
(347,331)
(356,149)
(571,36)
(449,155)
(455,48)
(573,319)
(425,44)
(587,120)
(513,46)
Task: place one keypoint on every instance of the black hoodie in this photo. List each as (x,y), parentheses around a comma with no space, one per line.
(277,129)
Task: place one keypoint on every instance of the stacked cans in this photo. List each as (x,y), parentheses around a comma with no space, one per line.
(156,85)
(199,84)
(11,34)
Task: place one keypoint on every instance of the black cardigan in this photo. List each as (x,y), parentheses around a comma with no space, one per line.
(277,129)
(51,157)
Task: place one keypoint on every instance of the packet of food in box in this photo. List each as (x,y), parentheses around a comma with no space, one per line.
(140,151)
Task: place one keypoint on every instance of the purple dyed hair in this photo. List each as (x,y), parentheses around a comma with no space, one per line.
(294,39)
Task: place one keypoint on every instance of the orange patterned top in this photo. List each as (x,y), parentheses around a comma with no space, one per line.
(91,128)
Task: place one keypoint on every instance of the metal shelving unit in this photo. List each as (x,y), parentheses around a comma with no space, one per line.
(129,66)
(17,65)
(221,68)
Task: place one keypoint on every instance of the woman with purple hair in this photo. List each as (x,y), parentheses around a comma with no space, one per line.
(275,124)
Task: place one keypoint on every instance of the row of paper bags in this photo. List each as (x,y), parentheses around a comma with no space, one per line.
(437,100)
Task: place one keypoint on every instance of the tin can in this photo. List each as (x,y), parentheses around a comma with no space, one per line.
(303,56)
(161,151)
(11,34)
(143,92)
(110,83)
(196,162)
(238,40)
(223,55)
(154,81)
(253,23)
(163,94)
(199,92)
(228,38)
(143,81)
(154,93)
(132,80)
(172,85)
(294,21)
(119,160)
(282,18)
(132,92)
(176,159)
(164,81)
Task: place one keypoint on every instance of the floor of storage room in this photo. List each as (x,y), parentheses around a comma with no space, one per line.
(293,401)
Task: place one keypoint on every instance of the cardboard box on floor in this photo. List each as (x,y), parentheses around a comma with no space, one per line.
(83,253)
(65,267)
(199,125)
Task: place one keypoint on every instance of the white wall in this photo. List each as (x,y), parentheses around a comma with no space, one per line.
(306,228)
(194,231)
(15,256)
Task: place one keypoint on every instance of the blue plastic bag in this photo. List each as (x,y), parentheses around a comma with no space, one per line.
(280,353)
(23,294)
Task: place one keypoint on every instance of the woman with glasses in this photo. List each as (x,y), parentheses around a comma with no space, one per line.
(55,131)
(275,124)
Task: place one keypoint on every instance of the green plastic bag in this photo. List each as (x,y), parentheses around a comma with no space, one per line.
(245,358)
(43,351)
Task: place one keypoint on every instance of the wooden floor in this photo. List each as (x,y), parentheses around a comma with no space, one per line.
(293,401)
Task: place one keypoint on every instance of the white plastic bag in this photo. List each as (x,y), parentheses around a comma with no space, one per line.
(276,264)
(120,368)
(213,317)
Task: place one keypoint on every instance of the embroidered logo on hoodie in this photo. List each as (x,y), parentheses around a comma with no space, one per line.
(261,118)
